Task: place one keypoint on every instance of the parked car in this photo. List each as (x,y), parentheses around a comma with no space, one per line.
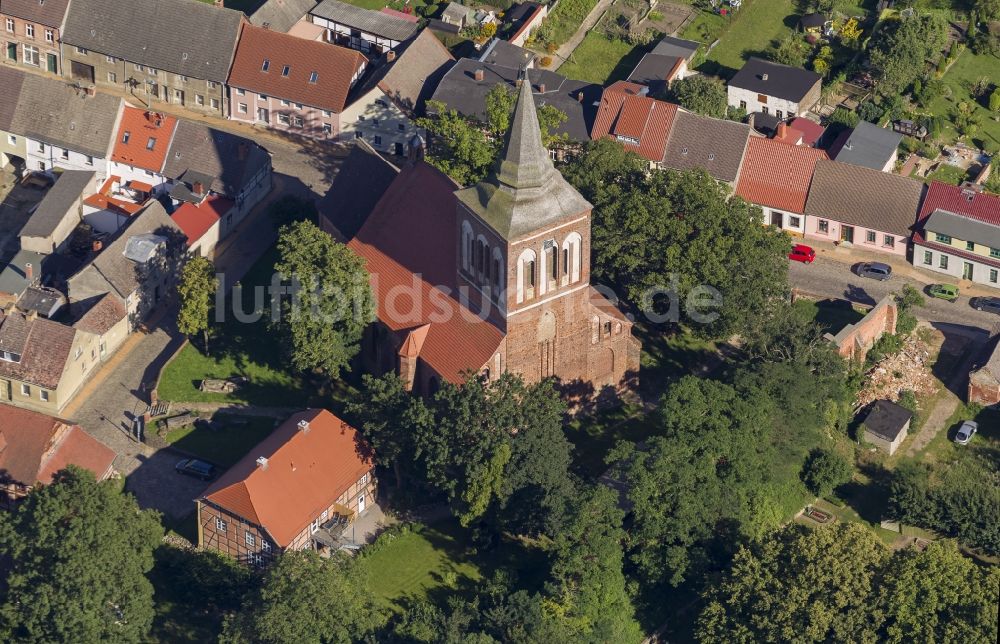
(875,271)
(966,432)
(802,253)
(943,291)
(988,304)
(194,467)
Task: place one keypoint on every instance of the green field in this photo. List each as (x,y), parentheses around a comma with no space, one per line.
(603,61)
(959,78)
(751,32)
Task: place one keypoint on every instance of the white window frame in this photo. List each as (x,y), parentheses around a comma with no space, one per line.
(11,25)
(249,539)
(50,36)
(25,389)
(112,77)
(43,395)
(242,108)
(220,525)
(29,30)
(25,49)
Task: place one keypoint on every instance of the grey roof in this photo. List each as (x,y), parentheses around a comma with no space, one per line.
(61,197)
(46,301)
(861,196)
(281,15)
(783,81)
(701,142)
(231,160)
(53,111)
(670,46)
(456,11)
(964,228)
(887,419)
(373,22)
(13,280)
(813,20)
(46,12)
(185,37)
(868,145)
(363,178)
(652,71)
(460,91)
(10,80)
(525,192)
(501,52)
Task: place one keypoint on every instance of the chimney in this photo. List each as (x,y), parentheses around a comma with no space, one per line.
(31,315)
(390,56)
(478,75)
(29,272)
(303,425)
(91,90)
(541,88)
(262,462)
(579,96)
(763,77)
(198,188)
(782,131)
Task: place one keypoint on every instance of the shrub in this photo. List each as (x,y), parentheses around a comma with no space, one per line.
(825,470)
(908,400)
(995,100)
(885,346)
(545,61)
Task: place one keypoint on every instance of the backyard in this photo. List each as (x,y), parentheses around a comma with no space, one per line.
(959,79)
(748,32)
(601,60)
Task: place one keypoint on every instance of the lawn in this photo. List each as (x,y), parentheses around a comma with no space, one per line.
(603,61)
(959,79)
(566,18)
(750,32)
(226,445)
(943,449)
(948,174)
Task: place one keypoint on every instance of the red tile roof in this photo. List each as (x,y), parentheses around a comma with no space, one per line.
(626,112)
(306,472)
(777,175)
(982,206)
(103,200)
(34,446)
(143,138)
(408,243)
(811,131)
(196,220)
(335,68)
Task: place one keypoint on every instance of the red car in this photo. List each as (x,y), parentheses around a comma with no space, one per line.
(802,253)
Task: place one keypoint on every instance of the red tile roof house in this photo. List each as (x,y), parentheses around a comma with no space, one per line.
(141,145)
(641,124)
(776,177)
(291,84)
(958,234)
(296,490)
(33,447)
(870,209)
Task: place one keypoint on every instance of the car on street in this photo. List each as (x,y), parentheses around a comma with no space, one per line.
(194,467)
(966,432)
(875,271)
(988,304)
(943,292)
(802,253)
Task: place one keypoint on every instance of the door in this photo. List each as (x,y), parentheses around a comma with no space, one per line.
(80,71)
(847,234)
(967,271)
(262,115)
(12,51)
(51,64)
(777,219)
(361,503)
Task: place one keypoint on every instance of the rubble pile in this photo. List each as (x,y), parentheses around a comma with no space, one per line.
(906,370)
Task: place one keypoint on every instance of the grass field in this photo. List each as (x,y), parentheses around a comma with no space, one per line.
(566,18)
(603,61)
(959,78)
(751,31)
(226,445)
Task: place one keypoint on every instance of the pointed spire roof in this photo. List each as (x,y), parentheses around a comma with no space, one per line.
(524,193)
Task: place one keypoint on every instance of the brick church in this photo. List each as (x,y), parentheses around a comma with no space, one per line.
(485,279)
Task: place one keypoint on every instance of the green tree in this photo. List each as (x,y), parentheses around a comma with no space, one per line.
(995,100)
(305,598)
(900,47)
(78,552)
(196,290)
(825,470)
(325,319)
(987,9)
(790,51)
(701,94)
(843,118)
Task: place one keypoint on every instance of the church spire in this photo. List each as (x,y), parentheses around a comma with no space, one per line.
(524,161)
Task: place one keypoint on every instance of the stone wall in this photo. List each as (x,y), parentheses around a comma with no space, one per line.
(855,340)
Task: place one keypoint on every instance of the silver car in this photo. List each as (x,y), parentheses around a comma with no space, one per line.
(966,432)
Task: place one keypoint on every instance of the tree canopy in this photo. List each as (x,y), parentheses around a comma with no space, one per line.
(700,94)
(196,289)
(900,47)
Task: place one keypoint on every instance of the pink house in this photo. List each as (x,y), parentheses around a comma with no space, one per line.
(870,209)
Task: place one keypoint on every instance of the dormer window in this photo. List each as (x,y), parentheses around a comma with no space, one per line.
(313,77)
(151,143)
(285,70)
(126,136)
(266,65)
(7,356)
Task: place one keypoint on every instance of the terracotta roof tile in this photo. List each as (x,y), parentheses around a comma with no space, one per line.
(811,131)
(641,124)
(777,175)
(196,220)
(982,206)
(44,348)
(143,138)
(34,446)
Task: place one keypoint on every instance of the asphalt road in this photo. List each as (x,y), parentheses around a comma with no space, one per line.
(829,278)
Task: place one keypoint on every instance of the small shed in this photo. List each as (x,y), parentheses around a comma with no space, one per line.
(812,23)
(886,425)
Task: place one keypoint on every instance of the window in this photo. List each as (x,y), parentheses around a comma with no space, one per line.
(151,143)
(794,222)
(970,246)
(88,160)
(41,147)
(327,128)
(298,106)
(112,77)
(378,140)
(943,262)
(265,545)
(109,59)
(297,121)
(81,51)
(151,70)
(49,36)
(531,273)
(763,109)
(137,67)
(928,258)
(199,99)
(211,84)
(284,103)
(240,92)
(363,480)
(44,395)
(361,117)
(10,25)
(284,71)
(65,154)
(374,122)
(870,237)
(777,113)
(824,226)
(993,276)
(888,241)
(214,103)
(242,108)
(29,30)
(181,78)
(283,119)
(313,77)
(943,239)
(256,559)
(25,390)
(11,139)
(41,166)
(359,134)
(126,136)
(262,97)
(31,55)
(250,539)
(220,525)
(327,114)
(79,352)
(401,127)
(265,65)
(743,105)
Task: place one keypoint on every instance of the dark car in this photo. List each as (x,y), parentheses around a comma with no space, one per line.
(194,467)
(875,271)
(802,253)
(988,304)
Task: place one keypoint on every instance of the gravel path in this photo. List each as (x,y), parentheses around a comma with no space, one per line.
(566,50)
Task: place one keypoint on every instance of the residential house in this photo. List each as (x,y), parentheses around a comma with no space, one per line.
(867,145)
(43,300)
(383,107)
(32,31)
(109,208)
(34,446)
(518,245)
(13,149)
(60,211)
(799,131)
(870,209)
(522,19)
(139,266)
(43,363)
(281,15)
(201,223)
(64,126)
(107,319)
(465,86)
(668,62)
(715,145)
(886,425)
(812,23)
(370,32)
(458,15)
(291,84)
(140,149)
(175,51)
(203,162)
(778,90)
(958,233)
(299,489)
(641,124)
(364,176)
(500,52)
(776,177)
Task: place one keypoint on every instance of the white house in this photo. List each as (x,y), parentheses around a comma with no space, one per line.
(781,91)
